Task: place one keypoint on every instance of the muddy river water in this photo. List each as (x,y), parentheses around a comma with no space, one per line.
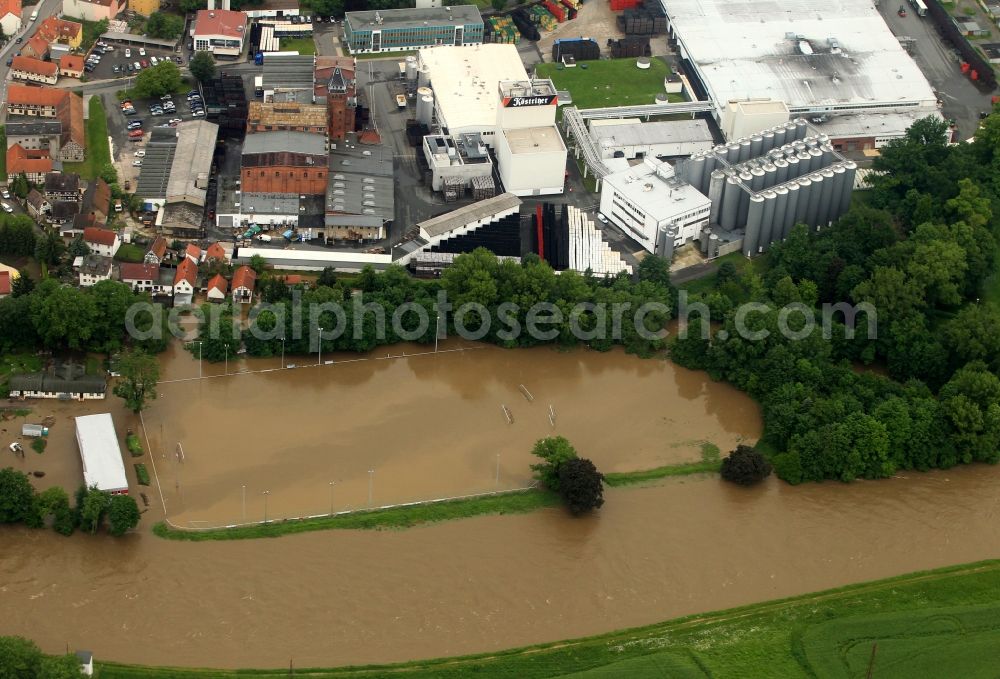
(338,597)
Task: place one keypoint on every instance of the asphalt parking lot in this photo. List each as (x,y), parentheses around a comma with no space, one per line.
(118,127)
(105,69)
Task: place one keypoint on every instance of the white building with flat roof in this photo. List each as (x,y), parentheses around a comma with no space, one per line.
(665,138)
(101,456)
(648,203)
(820,57)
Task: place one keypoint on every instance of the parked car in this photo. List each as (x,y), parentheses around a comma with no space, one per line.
(116,69)
(134,125)
(175,121)
(154,61)
(145,64)
(142,51)
(7,208)
(178,60)
(136,65)
(128,53)
(199,112)
(141,153)
(135,134)
(5,193)
(137,162)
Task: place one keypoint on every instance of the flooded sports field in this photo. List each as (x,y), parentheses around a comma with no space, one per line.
(408,425)
(679,546)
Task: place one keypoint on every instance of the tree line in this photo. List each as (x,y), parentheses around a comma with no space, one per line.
(920,254)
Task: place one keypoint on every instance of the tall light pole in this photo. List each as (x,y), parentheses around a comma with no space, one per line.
(282,352)
(244,503)
(498,470)
(199,359)
(266,493)
(227,358)
(320,347)
(331,497)
(437,331)
(371,479)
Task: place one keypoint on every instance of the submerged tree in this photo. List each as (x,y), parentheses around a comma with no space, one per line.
(745,466)
(139,375)
(554,451)
(581,486)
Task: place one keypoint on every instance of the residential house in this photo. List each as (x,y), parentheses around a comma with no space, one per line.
(94,269)
(34,70)
(64,32)
(34,134)
(66,381)
(157,252)
(81,222)
(62,186)
(102,241)
(146,8)
(244,281)
(38,206)
(93,10)
(5,284)
(10,16)
(217,252)
(193,252)
(220,31)
(217,288)
(185,279)
(36,46)
(34,164)
(56,104)
(74,141)
(143,278)
(63,212)
(71,65)
(97,199)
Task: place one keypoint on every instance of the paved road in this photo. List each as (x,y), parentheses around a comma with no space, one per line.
(963,101)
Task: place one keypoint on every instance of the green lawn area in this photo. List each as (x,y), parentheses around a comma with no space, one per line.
(302,45)
(129,252)
(98,151)
(943,623)
(611,82)
(16,363)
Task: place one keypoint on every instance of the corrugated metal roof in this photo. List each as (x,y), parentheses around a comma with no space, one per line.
(292,142)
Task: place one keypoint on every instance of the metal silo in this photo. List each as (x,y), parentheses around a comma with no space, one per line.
(826,205)
(661,241)
(805,196)
(815,196)
(695,171)
(805,162)
(794,167)
(745,149)
(757,183)
(411,68)
(801,129)
(770,174)
(756,146)
(779,136)
(781,170)
(713,246)
(817,159)
(791,208)
(425,105)
(839,175)
(767,220)
(741,211)
(755,212)
(733,153)
(424,76)
(850,170)
(703,240)
(768,143)
(780,208)
(716,184)
(828,158)
(730,203)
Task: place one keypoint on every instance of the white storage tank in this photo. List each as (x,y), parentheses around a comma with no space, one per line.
(425,105)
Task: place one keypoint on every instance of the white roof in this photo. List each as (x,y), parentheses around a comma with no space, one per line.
(99,451)
(466,79)
(761,49)
(662,132)
(659,194)
(869,125)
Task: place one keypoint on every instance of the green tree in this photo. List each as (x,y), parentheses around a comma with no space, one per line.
(19,658)
(154,82)
(498,5)
(187,6)
(164,26)
(59,667)
(123,514)
(50,248)
(108,173)
(973,335)
(581,486)
(22,285)
(93,509)
(745,466)
(78,247)
(54,502)
(258,264)
(554,451)
(21,187)
(202,66)
(16,496)
(64,317)
(139,374)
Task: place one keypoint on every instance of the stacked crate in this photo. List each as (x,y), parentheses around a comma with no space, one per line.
(503,31)
(581,49)
(556,9)
(619,5)
(525,23)
(542,18)
(483,188)
(643,21)
(629,47)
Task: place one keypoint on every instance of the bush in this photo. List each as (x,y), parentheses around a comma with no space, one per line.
(38,445)
(134,445)
(123,514)
(141,474)
(745,466)
(581,485)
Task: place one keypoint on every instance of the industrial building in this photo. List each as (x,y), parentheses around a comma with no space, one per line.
(334,81)
(286,116)
(653,206)
(289,77)
(670,138)
(821,60)
(456,161)
(284,162)
(177,165)
(220,31)
(360,199)
(393,30)
(530,151)
(103,467)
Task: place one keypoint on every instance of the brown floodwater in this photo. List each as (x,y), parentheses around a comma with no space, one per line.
(341,597)
(416,427)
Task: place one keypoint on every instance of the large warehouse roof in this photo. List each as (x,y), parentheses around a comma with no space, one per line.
(806,53)
(410,17)
(99,451)
(192,160)
(284,140)
(465,81)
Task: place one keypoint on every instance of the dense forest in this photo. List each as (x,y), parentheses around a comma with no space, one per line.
(923,253)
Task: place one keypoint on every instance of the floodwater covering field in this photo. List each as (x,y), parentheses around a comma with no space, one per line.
(319,438)
(681,546)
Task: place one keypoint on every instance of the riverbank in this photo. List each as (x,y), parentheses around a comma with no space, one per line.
(514,502)
(827,634)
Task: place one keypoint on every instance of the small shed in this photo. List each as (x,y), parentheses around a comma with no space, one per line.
(34,430)
(86,660)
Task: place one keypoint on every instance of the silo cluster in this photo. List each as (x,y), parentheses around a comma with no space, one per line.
(770,181)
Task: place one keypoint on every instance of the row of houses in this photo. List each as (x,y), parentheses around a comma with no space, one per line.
(64,200)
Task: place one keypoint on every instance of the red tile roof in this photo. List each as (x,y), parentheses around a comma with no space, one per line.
(228,23)
(215,251)
(36,66)
(194,251)
(10,7)
(74,124)
(21,160)
(159,247)
(100,236)
(244,277)
(186,270)
(139,272)
(218,283)
(293,279)
(54,28)
(71,62)
(36,96)
(4,282)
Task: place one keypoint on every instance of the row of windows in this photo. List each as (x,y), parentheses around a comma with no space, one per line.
(291,174)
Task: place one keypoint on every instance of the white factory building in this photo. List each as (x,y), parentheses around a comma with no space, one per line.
(100,453)
(659,210)
(672,138)
(833,61)
(483,90)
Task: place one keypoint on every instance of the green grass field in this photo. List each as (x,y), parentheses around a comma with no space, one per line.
(943,623)
(302,45)
(609,82)
(98,152)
